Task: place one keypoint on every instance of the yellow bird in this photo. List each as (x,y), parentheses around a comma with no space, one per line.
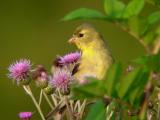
(96,57)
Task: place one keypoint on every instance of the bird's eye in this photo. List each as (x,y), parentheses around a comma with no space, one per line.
(80,35)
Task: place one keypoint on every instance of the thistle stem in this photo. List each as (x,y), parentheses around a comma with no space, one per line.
(40,97)
(82,108)
(71,104)
(47,99)
(110,116)
(69,109)
(29,92)
(54,99)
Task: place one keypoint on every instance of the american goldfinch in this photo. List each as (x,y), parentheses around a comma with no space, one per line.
(96,57)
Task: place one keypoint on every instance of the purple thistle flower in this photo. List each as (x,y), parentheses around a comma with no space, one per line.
(61,79)
(19,70)
(25,115)
(67,59)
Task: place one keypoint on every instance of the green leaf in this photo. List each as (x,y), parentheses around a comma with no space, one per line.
(134,24)
(114,8)
(157,2)
(97,111)
(137,88)
(154,2)
(112,78)
(133,8)
(150,37)
(83,13)
(151,20)
(127,82)
(151,62)
(112,108)
(154,17)
(90,90)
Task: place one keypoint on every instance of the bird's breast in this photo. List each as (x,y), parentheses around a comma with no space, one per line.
(93,63)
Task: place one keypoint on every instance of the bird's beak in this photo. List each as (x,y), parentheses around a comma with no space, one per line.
(72,40)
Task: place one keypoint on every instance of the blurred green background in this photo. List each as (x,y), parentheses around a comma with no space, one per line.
(33,29)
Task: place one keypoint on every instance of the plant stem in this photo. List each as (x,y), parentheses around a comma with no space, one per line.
(82,108)
(29,92)
(54,99)
(47,99)
(69,109)
(40,98)
(71,104)
(110,116)
(148,91)
(156,46)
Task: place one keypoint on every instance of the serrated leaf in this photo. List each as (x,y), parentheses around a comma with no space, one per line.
(83,13)
(97,111)
(151,20)
(133,8)
(127,82)
(112,78)
(114,8)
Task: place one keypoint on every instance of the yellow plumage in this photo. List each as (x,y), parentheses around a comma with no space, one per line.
(96,57)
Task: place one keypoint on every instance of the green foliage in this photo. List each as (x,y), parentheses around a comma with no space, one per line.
(134,24)
(151,20)
(83,13)
(126,87)
(126,83)
(114,8)
(133,8)
(132,85)
(112,77)
(151,62)
(93,89)
(154,2)
(97,111)
(136,90)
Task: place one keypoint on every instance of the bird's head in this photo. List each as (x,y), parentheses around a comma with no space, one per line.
(84,36)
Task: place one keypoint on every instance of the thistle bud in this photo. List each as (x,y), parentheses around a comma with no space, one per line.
(40,76)
(49,90)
